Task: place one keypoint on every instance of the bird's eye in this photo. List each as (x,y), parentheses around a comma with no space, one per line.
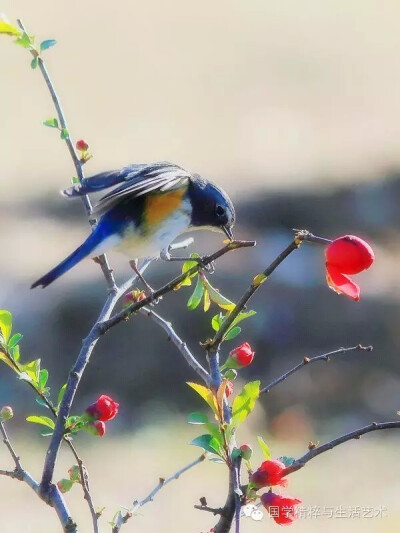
(220,211)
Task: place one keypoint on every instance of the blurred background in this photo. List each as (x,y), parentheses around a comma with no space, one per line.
(292,107)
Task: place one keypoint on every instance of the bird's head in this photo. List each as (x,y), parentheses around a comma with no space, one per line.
(211,207)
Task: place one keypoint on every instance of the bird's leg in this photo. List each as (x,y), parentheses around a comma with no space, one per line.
(166,256)
(148,289)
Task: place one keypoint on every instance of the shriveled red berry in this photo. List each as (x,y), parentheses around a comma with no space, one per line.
(270,473)
(282,510)
(104,409)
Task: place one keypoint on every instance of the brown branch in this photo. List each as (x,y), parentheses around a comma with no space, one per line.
(356,434)
(208,509)
(55,499)
(306,361)
(105,325)
(122,519)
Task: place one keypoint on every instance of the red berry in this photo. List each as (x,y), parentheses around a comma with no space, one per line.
(281,509)
(349,254)
(246,451)
(270,473)
(82,146)
(242,355)
(104,409)
(97,427)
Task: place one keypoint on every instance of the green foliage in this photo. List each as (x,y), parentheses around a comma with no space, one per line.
(43,420)
(26,41)
(34,63)
(206,394)
(8,29)
(60,396)
(45,45)
(5,325)
(232,333)
(51,123)
(197,418)
(208,443)
(245,402)
(197,295)
(264,448)
(64,134)
(287,461)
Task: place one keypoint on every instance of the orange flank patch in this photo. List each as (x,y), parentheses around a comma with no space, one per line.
(161,206)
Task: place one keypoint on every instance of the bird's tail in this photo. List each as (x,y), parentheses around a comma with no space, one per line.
(80,253)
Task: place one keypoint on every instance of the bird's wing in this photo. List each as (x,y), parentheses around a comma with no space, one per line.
(136,180)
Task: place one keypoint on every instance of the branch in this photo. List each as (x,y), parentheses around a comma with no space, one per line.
(55,499)
(107,271)
(182,346)
(356,434)
(173,284)
(232,505)
(324,357)
(122,519)
(300,236)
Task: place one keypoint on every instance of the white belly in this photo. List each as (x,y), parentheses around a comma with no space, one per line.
(134,245)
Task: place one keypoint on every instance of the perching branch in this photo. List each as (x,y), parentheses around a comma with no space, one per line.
(122,519)
(55,500)
(107,271)
(306,361)
(105,325)
(356,434)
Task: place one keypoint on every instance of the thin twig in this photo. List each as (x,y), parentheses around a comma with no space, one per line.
(10,448)
(300,236)
(215,511)
(122,519)
(125,313)
(306,361)
(356,434)
(179,343)
(55,499)
(103,261)
(224,524)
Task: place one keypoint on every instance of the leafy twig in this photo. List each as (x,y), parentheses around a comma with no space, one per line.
(122,519)
(306,361)
(107,271)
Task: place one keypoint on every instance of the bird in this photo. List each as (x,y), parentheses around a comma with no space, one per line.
(148,208)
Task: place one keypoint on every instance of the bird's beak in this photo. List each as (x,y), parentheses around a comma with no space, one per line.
(228,232)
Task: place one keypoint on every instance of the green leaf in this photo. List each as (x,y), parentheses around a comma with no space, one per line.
(197,418)
(43,420)
(217,321)
(32,369)
(287,461)
(8,29)
(43,377)
(245,402)
(15,353)
(197,295)
(207,301)
(51,123)
(14,340)
(64,134)
(34,63)
(217,297)
(214,430)
(44,45)
(25,40)
(259,279)
(232,333)
(205,393)
(46,432)
(241,316)
(5,324)
(208,443)
(41,402)
(264,448)
(61,393)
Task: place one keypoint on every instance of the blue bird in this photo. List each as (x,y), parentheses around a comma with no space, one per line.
(151,206)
